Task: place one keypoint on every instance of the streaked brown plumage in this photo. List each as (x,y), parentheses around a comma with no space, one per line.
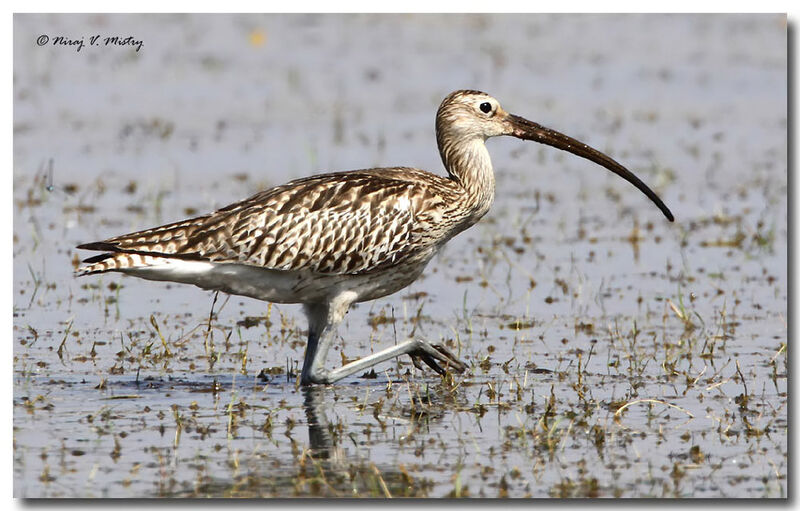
(330,240)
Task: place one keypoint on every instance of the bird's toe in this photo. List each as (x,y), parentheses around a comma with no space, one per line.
(435,356)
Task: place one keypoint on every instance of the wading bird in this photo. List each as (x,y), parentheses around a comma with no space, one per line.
(331,240)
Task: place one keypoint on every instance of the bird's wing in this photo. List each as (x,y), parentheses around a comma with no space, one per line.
(343,223)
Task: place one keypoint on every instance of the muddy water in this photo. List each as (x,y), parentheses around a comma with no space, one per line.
(611,353)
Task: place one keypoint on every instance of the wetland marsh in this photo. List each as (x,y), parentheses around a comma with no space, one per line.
(611,353)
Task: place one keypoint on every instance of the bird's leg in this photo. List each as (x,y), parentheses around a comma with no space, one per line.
(321,333)
(435,356)
(320,326)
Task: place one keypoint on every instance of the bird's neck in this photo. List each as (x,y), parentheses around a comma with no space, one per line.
(468,163)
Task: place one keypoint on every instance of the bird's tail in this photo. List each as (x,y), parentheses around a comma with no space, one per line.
(103,263)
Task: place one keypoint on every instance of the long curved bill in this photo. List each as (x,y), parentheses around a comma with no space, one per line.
(528,130)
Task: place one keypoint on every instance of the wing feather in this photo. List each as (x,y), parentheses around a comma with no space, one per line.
(342,223)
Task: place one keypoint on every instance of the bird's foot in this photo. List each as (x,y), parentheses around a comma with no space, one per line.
(435,356)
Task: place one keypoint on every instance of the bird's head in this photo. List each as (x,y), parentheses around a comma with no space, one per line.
(467,115)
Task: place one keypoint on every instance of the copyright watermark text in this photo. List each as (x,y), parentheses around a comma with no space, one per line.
(79,43)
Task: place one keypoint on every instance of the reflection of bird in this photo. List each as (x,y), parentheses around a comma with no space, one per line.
(323,445)
(330,240)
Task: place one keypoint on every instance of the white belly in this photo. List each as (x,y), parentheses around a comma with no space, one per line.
(275,285)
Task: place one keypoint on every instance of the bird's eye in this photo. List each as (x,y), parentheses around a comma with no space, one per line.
(486,107)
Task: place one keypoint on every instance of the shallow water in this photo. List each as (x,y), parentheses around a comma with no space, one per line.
(611,353)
